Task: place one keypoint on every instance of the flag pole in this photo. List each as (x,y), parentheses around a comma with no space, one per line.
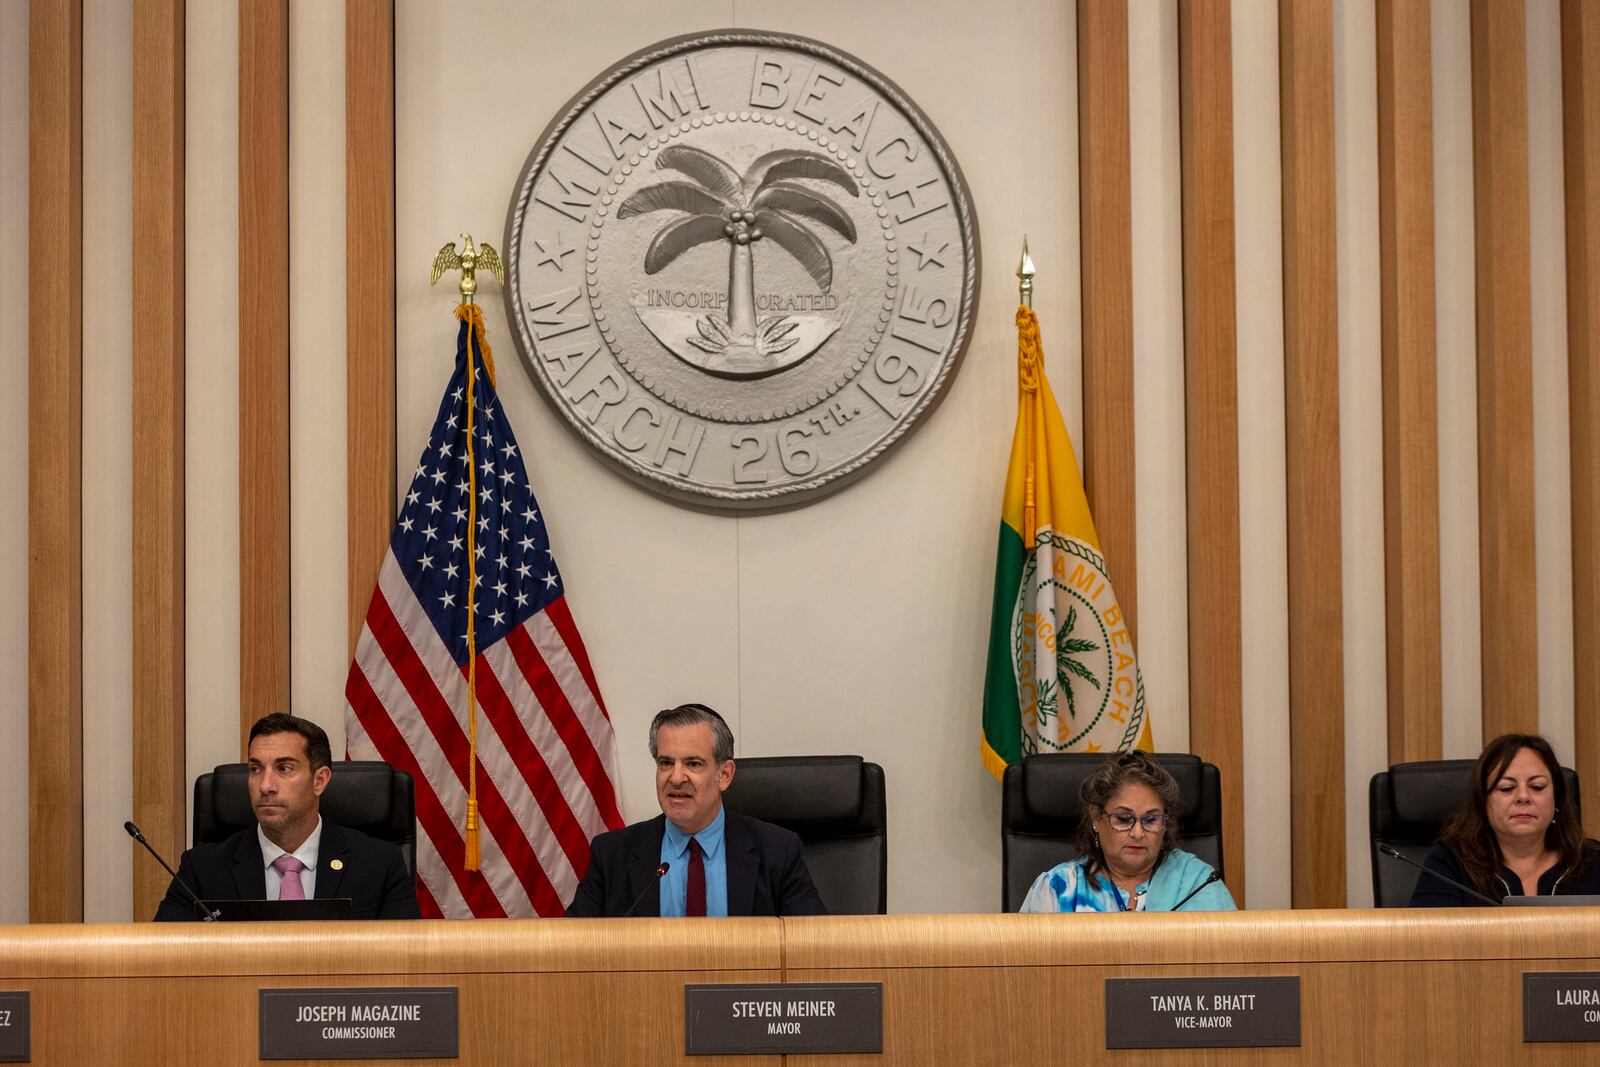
(467,262)
(1025,274)
(1028,379)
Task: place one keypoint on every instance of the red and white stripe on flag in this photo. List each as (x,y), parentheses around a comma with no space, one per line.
(546,751)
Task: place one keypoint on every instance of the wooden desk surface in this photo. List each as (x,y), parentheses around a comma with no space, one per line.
(1376,986)
(1392,986)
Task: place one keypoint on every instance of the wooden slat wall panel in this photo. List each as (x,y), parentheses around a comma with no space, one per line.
(1505,368)
(1105,204)
(370,314)
(1205,65)
(1551,394)
(1455,364)
(263,359)
(1580,73)
(55,462)
(159,786)
(1410,380)
(1311,434)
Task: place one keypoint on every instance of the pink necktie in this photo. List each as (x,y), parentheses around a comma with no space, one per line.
(290,868)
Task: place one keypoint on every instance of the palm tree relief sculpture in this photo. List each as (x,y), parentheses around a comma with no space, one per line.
(766,203)
(1067,668)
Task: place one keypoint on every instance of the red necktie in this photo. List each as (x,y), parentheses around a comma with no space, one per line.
(696,904)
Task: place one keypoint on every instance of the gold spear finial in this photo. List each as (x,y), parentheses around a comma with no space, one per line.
(1025,274)
(468,262)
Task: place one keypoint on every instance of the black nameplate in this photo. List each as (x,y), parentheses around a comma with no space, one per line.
(14,1028)
(393,1022)
(1202,1012)
(1561,1006)
(776,1019)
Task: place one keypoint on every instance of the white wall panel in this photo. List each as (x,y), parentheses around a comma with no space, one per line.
(1459,650)
(826,627)
(14,274)
(1552,444)
(653,586)
(107,467)
(1366,711)
(211,387)
(318,566)
(1158,382)
(890,583)
(1263,518)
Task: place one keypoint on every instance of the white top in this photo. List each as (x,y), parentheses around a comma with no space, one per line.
(306,854)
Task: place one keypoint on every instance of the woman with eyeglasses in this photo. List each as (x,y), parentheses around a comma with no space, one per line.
(1517,835)
(1128,857)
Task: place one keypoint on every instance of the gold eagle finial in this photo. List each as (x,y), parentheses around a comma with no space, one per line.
(469,261)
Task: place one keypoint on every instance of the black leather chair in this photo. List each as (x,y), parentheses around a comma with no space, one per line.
(365,795)
(836,804)
(1040,813)
(1407,806)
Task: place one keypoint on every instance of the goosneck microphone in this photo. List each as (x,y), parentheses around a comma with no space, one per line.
(1390,850)
(655,880)
(205,913)
(1214,876)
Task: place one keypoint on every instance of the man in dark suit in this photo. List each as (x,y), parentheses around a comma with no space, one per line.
(293,853)
(696,858)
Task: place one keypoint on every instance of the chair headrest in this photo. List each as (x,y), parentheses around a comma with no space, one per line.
(1051,783)
(791,789)
(230,795)
(358,794)
(1429,792)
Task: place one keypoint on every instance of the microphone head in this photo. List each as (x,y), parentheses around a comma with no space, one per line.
(1390,850)
(663,869)
(133,831)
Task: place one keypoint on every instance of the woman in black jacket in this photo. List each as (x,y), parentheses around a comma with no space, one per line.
(1518,834)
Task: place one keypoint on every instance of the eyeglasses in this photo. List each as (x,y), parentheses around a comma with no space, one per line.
(1122,821)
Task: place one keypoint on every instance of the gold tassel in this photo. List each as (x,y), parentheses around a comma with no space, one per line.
(474,314)
(473,859)
(1029,357)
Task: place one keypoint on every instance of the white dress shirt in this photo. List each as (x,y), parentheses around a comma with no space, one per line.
(306,854)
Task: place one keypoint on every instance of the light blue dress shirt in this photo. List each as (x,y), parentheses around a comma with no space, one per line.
(675,883)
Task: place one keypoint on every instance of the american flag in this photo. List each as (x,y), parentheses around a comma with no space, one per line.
(546,754)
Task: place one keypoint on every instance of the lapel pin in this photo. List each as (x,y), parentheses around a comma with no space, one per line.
(337,865)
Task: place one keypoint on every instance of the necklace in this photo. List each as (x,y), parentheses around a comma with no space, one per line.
(1127,885)
(1118,889)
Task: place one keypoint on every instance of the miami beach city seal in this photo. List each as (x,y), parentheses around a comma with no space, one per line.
(742,266)
(1079,682)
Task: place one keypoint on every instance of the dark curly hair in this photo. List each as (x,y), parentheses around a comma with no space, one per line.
(1120,769)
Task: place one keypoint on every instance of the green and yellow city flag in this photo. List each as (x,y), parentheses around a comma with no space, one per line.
(1062,673)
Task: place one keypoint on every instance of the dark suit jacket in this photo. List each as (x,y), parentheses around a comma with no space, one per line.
(1557,881)
(766,873)
(372,874)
